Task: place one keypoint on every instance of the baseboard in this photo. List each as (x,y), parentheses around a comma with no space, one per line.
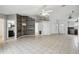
(24,36)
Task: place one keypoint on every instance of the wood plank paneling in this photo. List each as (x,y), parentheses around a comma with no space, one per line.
(28,29)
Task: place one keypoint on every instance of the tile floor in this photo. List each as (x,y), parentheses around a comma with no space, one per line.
(53,44)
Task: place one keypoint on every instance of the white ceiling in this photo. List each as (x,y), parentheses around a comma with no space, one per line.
(26,9)
(20,9)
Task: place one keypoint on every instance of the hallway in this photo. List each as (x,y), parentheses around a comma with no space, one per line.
(52,44)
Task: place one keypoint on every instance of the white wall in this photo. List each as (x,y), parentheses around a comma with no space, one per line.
(46,28)
(36,28)
(43,26)
(61,15)
(3,27)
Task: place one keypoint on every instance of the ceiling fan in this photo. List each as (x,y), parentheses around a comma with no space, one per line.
(45,12)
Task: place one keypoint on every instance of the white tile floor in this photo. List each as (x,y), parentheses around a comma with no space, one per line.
(56,44)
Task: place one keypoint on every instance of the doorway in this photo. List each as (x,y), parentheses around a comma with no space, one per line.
(10,29)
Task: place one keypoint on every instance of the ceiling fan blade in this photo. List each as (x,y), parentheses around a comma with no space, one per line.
(43,10)
(49,11)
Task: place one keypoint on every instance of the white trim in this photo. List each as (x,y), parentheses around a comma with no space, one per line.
(15,27)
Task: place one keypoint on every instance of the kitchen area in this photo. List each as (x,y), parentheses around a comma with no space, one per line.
(73,26)
(73,30)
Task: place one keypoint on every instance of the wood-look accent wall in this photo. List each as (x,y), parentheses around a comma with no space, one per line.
(29,29)
(19,25)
